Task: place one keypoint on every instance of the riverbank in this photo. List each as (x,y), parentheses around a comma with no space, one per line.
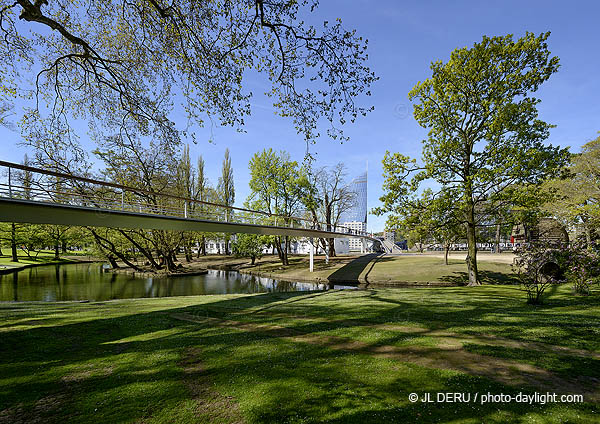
(187,269)
(377,270)
(334,356)
(43,259)
(383,270)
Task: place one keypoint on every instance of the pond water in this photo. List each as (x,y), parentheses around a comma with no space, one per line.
(88,282)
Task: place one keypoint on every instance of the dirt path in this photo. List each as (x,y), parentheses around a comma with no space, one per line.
(448,354)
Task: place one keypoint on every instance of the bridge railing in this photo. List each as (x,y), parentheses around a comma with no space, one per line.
(41,185)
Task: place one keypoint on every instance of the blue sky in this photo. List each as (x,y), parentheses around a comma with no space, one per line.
(404,37)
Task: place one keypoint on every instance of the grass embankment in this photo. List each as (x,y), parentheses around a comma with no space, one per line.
(337,356)
(404,269)
(45,257)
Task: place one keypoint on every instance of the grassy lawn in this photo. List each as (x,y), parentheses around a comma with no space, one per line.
(44,257)
(336,356)
(382,269)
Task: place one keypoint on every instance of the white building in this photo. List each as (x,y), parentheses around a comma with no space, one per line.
(299,246)
(217,247)
(302,247)
(355,243)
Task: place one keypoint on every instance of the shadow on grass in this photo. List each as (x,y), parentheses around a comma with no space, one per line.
(486,277)
(136,374)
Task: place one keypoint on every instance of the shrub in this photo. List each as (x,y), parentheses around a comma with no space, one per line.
(584,267)
(540,265)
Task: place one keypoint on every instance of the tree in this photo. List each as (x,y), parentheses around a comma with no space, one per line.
(186,180)
(328,198)
(583,266)
(577,200)
(57,235)
(156,170)
(484,133)
(11,233)
(94,59)
(429,218)
(226,186)
(32,239)
(249,245)
(278,187)
(203,189)
(226,189)
(5,112)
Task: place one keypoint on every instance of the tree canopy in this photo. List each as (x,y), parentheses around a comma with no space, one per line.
(128,68)
(485,144)
(577,200)
(278,186)
(327,197)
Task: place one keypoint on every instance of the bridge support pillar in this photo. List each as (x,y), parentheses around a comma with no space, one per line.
(363,247)
(312,254)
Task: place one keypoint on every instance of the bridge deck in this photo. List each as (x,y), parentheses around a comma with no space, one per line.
(35,212)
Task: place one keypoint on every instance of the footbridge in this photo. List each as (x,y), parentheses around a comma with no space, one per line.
(40,196)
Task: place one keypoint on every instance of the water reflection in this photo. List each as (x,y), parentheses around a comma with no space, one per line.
(88,282)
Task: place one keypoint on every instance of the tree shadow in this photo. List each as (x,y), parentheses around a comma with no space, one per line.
(461,278)
(141,349)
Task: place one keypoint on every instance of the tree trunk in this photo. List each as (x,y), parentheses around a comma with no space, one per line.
(497,249)
(282,252)
(331,248)
(203,246)
(56,250)
(527,233)
(169,261)
(447,250)
(63,246)
(330,226)
(472,250)
(277,246)
(253,259)
(320,243)
(106,245)
(113,262)
(226,245)
(285,259)
(13,243)
(147,253)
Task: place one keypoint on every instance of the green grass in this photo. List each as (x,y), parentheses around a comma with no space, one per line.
(338,356)
(44,257)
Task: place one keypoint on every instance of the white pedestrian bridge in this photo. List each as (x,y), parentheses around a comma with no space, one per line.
(41,196)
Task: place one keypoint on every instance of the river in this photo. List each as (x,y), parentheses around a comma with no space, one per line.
(88,282)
